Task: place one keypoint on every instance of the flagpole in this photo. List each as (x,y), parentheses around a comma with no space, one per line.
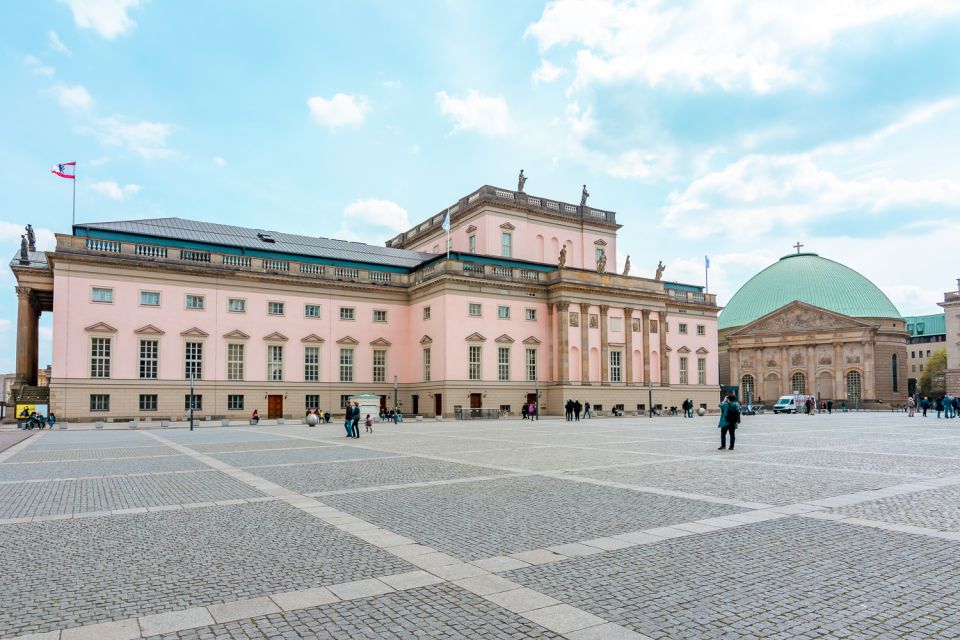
(73,215)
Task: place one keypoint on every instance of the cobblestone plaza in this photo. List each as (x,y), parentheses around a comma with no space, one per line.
(838,526)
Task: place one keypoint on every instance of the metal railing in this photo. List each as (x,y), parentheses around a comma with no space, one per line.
(461,413)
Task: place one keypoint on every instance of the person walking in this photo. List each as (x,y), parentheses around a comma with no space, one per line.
(255,417)
(369,424)
(586,411)
(729,419)
(355,424)
(938,405)
(524,411)
(531,410)
(829,406)
(577,408)
(924,405)
(568,410)
(348,419)
(948,405)
(911,406)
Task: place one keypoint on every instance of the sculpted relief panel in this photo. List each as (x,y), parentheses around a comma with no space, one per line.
(770,358)
(852,354)
(825,356)
(796,358)
(800,320)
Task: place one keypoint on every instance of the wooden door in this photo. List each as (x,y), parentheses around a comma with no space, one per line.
(531,397)
(274,407)
(416,404)
(476,400)
(438,404)
(383,403)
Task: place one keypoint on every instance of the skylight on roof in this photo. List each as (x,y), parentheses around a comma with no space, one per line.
(266,237)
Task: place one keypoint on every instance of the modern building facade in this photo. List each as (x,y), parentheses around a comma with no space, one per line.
(928,333)
(280,323)
(809,325)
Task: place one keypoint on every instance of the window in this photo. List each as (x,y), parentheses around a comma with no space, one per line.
(701,371)
(746,388)
(193,361)
(150,298)
(275,308)
(99,402)
(574,318)
(346,313)
(379,365)
(426,364)
(235,361)
(236,305)
(379,315)
(100,357)
(101,294)
(346,365)
(913,368)
(472,243)
(928,353)
(311,401)
(616,324)
(507,244)
(913,354)
(275,362)
(474,362)
(701,330)
(683,370)
(311,364)
(683,328)
(148,402)
(194,301)
(235,402)
(474,308)
(148,359)
(311,310)
(197,402)
(505,409)
(653,326)
(503,312)
(798,383)
(344,400)
(853,386)
(896,373)
(531,365)
(615,360)
(503,363)
(530,314)
(426,313)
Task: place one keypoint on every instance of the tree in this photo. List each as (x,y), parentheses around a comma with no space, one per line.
(933,380)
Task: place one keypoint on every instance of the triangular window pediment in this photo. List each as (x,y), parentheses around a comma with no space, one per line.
(149,330)
(475,337)
(194,332)
(702,350)
(683,350)
(799,317)
(276,336)
(348,340)
(600,243)
(380,342)
(312,338)
(236,334)
(471,229)
(507,226)
(426,340)
(502,339)
(531,340)
(100,327)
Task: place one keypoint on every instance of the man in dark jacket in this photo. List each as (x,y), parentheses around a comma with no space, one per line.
(577,408)
(356,420)
(729,418)
(568,410)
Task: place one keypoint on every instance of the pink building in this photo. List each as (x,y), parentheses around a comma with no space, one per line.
(284,323)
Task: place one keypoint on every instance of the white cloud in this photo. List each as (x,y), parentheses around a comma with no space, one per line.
(760,191)
(38,67)
(72,97)
(341,109)
(393,84)
(220,162)
(547,72)
(372,221)
(10,233)
(56,44)
(146,139)
(114,191)
(734,45)
(487,115)
(107,17)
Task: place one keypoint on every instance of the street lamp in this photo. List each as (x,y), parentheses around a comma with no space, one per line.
(394,393)
(650,397)
(192,376)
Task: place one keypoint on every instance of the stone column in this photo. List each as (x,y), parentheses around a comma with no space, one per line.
(28,317)
(786,386)
(551,343)
(563,341)
(812,371)
(628,343)
(735,369)
(604,345)
(584,343)
(869,390)
(664,360)
(839,380)
(645,328)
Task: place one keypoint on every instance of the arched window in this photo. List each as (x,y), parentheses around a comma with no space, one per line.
(896,373)
(746,388)
(853,386)
(799,383)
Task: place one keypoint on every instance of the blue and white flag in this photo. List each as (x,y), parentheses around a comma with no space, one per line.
(706,261)
(446,222)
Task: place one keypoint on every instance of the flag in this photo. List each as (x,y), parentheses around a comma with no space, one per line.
(446,222)
(706,261)
(66,170)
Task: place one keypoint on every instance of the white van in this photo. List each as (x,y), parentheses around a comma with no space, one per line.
(790,404)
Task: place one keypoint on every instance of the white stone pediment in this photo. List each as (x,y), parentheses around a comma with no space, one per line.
(799,317)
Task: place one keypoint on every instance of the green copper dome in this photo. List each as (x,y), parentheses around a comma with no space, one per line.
(809,278)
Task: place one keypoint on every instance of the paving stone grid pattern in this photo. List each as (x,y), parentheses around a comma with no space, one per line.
(842,526)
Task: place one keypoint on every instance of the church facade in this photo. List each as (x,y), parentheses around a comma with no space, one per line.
(146,310)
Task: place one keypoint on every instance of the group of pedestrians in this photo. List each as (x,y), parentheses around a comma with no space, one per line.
(351,421)
(948,405)
(573,409)
(34,420)
(530,411)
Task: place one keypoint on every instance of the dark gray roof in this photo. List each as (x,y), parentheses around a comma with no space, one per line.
(245,238)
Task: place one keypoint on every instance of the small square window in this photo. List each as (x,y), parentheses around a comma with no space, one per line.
(275,308)
(701,330)
(150,298)
(474,309)
(194,301)
(346,313)
(379,315)
(236,305)
(235,402)
(197,402)
(311,401)
(426,313)
(101,294)
(311,310)
(530,314)
(503,312)
(99,402)
(148,402)
(683,328)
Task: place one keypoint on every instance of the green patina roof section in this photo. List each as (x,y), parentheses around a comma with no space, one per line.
(930,325)
(808,278)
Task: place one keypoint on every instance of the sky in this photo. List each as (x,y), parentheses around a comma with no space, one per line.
(713,127)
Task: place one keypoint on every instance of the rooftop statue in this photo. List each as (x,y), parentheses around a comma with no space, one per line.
(660,268)
(522,180)
(583,196)
(626,267)
(31,238)
(24,256)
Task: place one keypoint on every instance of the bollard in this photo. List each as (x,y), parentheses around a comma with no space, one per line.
(224,423)
(132,424)
(164,424)
(97,425)
(280,421)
